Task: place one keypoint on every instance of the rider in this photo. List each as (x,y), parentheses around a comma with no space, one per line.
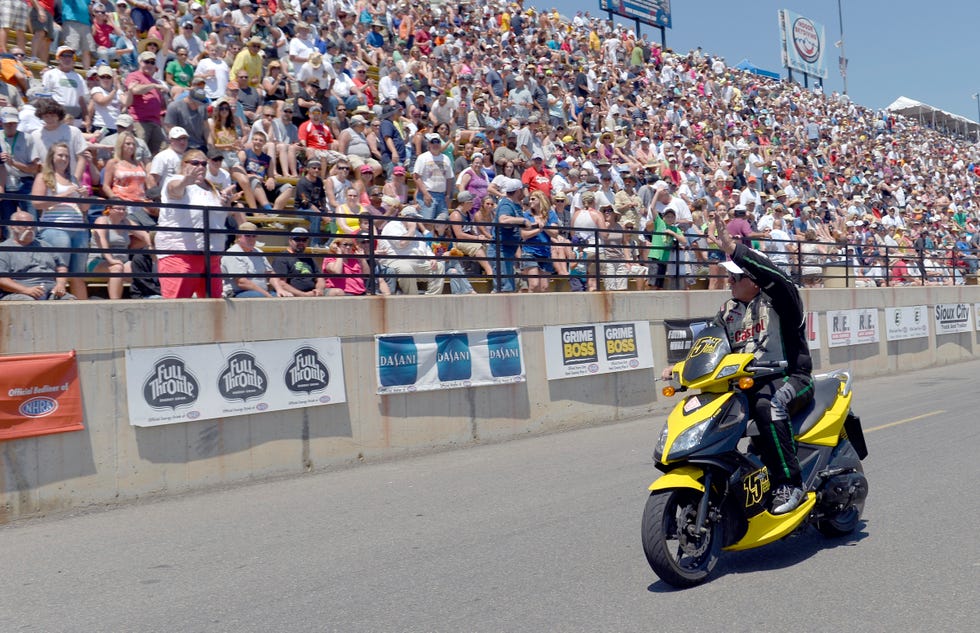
(765,317)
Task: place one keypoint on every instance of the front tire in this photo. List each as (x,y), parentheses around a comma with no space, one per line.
(677,557)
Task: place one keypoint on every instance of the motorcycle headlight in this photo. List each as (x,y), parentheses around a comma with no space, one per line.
(690,438)
(728,370)
(661,444)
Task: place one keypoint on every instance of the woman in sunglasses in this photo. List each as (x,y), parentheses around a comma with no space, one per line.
(190,187)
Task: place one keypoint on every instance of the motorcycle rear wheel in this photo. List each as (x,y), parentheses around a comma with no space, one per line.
(678,558)
(840,524)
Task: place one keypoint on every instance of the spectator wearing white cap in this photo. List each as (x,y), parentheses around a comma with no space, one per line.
(432,173)
(21,161)
(510,219)
(65,85)
(167,162)
(147,96)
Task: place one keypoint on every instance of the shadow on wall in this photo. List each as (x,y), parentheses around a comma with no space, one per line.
(31,463)
(621,389)
(840,356)
(205,439)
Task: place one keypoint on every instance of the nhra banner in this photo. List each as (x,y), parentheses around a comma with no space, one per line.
(852,327)
(169,385)
(906,323)
(953,318)
(41,395)
(803,42)
(680,336)
(597,348)
(447,360)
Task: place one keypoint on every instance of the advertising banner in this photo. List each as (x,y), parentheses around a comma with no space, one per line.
(953,318)
(596,348)
(170,385)
(447,360)
(812,331)
(652,12)
(852,327)
(804,43)
(906,323)
(41,395)
(680,335)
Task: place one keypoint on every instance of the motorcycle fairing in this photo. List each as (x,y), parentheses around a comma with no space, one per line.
(828,429)
(682,477)
(765,528)
(722,435)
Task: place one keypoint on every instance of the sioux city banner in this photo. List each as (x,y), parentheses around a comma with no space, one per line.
(596,348)
(852,327)
(41,395)
(680,336)
(906,323)
(952,318)
(169,385)
(426,361)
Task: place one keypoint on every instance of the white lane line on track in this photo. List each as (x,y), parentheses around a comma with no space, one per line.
(913,419)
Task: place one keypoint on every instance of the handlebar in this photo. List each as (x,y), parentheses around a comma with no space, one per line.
(774,364)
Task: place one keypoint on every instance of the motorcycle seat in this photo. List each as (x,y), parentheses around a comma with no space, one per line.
(825,390)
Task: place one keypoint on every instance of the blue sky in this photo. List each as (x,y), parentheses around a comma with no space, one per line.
(896,48)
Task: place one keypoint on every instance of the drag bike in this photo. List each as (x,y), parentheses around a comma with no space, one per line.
(714,494)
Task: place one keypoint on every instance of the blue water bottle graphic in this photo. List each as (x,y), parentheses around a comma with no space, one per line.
(453,357)
(398,361)
(505,353)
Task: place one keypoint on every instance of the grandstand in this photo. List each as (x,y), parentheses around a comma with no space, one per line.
(571,107)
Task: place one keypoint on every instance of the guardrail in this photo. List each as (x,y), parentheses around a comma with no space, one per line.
(846,264)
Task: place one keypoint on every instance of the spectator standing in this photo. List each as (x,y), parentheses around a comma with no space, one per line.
(146,98)
(18,154)
(433,171)
(510,218)
(64,84)
(189,187)
(77,29)
(191,114)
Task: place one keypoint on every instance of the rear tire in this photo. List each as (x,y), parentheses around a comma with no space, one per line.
(841,524)
(678,558)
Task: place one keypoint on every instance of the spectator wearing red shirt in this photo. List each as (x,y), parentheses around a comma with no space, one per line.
(102,32)
(147,101)
(537,177)
(739,227)
(315,135)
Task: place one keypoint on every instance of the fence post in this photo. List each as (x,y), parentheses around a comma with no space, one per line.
(207,252)
(598,259)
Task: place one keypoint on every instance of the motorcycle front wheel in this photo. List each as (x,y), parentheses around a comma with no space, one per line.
(677,555)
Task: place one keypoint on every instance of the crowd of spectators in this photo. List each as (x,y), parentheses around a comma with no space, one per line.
(557,148)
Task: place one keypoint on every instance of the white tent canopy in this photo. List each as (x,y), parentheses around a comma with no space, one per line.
(934,117)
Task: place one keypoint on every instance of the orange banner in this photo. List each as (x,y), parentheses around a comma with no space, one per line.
(39,395)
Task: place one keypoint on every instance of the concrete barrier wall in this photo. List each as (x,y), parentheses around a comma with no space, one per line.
(111,461)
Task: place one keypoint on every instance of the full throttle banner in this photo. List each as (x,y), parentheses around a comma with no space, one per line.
(41,395)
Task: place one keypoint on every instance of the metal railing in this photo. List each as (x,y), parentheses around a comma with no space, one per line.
(850,261)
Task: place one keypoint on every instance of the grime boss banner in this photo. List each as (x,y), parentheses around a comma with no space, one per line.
(169,385)
(596,348)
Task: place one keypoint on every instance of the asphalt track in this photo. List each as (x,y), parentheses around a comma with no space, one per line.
(538,534)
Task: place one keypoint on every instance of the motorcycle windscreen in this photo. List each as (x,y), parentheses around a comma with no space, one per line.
(706,353)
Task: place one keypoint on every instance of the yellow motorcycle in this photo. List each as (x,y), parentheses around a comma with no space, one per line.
(714,494)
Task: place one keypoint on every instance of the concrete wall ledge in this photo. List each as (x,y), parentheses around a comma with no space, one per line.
(113,462)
